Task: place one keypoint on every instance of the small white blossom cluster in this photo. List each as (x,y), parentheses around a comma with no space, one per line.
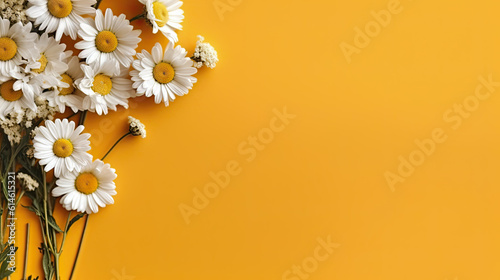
(27,181)
(16,121)
(136,127)
(204,54)
(30,152)
(14,10)
(44,110)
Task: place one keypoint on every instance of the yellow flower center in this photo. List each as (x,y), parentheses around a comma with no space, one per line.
(161,13)
(63,148)
(60,8)
(43,61)
(8,93)
(67,79)
(106,41)
(8,48)
(163,73)
(102,84)
(86,183)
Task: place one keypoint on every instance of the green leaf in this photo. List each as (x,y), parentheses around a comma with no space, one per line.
(33,209)
(5,191)
(4,268)
(35,199)
(5,153)
(74,220)
(53,223)
(47,262)
(3,255)
(33,171)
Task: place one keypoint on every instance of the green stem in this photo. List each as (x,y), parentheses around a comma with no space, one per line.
(97,4)
(45,212)
(139,16)
(116,143)
(43,232)
(26,251)
(11,167)
(56,255)
(20,196)
(1,226)
(51,200)
(65,232)
(12,160)
(83,116)
(72,115)
(79,247)
(54,234)
(56,264)
(8,213)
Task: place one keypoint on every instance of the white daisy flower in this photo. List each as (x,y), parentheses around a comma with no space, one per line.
(204,54)
(104,89)
(60,16)
(16,42)
(87,190)
(49,65)
(136,128)
(164,15)
(16,95)
(68,93)
(59,146)
(163,75)
(108,39)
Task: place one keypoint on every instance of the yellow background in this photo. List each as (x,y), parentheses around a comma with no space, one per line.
(324,174)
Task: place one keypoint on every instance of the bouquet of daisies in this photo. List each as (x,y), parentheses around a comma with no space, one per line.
(45,157)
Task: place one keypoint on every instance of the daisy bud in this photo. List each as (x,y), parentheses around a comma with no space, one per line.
(136,128)
(204,54)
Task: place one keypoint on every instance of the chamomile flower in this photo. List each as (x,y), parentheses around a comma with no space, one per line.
(163,75)
(108,39)
(67,95)
(16,42)
(104,89)
(49,64)
(165,16)
(16,95)
(60,16)
(59,146)
(87,190)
